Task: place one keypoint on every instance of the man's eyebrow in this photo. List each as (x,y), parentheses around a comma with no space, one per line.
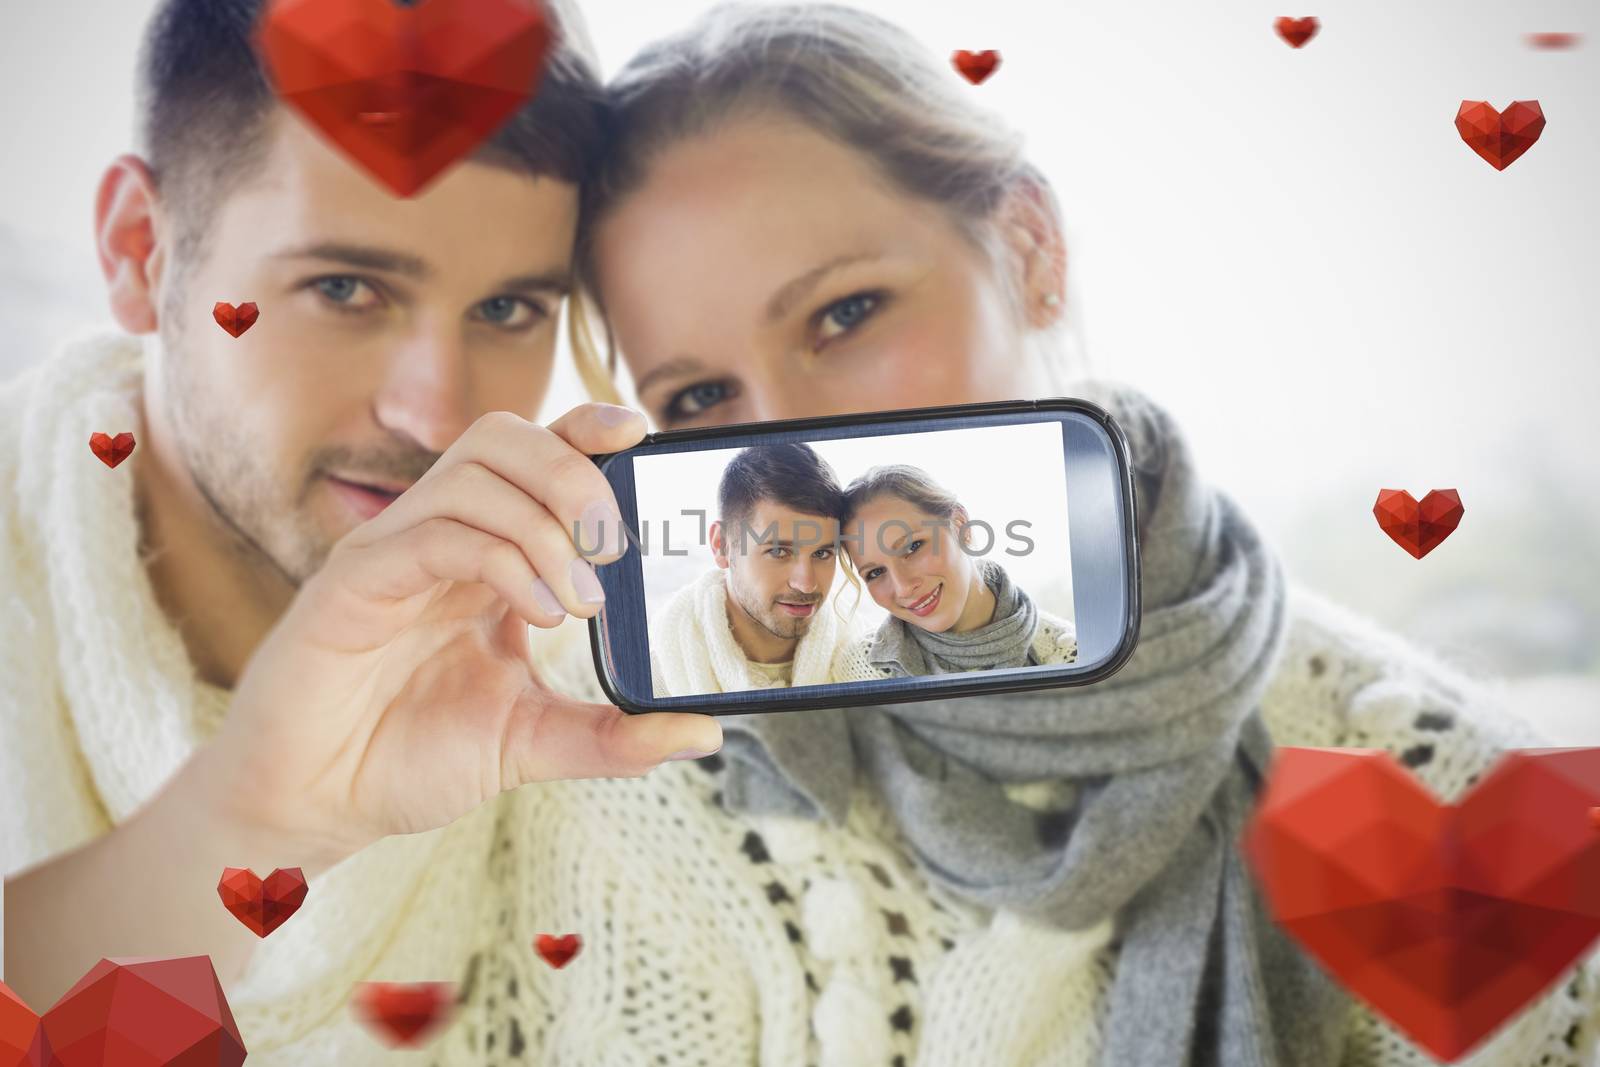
(557,280)
(367,257)
(793,291)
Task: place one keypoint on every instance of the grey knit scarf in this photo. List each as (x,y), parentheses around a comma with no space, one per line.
(1167,756)
(1006,640)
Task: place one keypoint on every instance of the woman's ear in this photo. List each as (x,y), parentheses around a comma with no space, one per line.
(1032,227)
(131,252)
(959,519)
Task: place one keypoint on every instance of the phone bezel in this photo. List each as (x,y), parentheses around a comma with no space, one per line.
(623,582)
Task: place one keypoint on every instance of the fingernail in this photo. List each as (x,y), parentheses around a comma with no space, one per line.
(599,529)
(587,583)
(613,414)
(689,753)
(546,597)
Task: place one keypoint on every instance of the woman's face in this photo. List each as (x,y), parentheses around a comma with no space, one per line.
(910,561)
(764,272)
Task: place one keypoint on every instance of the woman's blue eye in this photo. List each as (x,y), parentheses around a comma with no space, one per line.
(694,400)
(848,313)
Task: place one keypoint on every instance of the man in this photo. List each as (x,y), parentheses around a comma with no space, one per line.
(761,618)
(294,622)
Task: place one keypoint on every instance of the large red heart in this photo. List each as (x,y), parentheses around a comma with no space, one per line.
(111,450)
(558,951)
(150,1012)
(1297,31)
(1498,137)
(262,904)
(1418,528)
(976,66)
(405,91)
(403,1013)
(1446,919)
(236,320)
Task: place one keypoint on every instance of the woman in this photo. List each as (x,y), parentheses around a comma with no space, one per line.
(802,213)
(909,542)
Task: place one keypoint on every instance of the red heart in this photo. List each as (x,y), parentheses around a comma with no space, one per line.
(976,66)
(21,1038)
(111,450)
(1558,39)
(263,906)
(236,320)
(1418,528)
(156,1013)
(445,75)
(1446,919)
(402,1013)
(1297,31)
(558,951)
(1500,138)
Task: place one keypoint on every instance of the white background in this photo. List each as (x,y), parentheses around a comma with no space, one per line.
(1290,249)
(998,473)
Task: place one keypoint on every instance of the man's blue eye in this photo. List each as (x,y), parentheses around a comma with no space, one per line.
(337,289)
(499,308)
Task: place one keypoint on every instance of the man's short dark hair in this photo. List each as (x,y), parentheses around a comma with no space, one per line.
(792,475)
(204,101)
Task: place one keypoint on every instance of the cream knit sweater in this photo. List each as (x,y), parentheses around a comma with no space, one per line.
(708,939)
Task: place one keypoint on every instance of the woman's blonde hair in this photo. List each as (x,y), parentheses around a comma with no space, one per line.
(850,75)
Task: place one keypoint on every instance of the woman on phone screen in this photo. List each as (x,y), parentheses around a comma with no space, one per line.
(805,212)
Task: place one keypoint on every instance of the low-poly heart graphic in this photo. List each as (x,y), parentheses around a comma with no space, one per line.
(1500,137)
(405,90)
(21,1039)
(235,320)
(149,1012)
(1297,31)
(262,904)
(111,450)
(402,1014)
(558,951)
(1418,528)
(1446,919)
(1555,40)
(976,66)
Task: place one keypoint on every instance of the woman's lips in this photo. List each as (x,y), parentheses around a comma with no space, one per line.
(799,611)
(925,607)
(363,500)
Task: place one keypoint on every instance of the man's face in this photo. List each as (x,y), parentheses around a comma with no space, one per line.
(781,575)
(387,326)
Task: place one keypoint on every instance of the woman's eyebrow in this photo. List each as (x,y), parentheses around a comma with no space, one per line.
(675,367)
(795,290)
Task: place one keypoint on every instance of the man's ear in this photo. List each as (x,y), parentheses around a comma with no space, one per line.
(718,548)
(132,254)
(1032,228)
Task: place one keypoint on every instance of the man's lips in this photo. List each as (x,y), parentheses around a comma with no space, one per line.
(927,604)
(364,499)
(799,611)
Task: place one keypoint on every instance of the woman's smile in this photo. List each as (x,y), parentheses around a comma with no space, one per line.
(928,604)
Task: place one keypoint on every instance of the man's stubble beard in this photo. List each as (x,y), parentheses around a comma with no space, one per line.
(239,494)
(765,613)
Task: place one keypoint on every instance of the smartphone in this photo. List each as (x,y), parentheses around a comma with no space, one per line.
(876,558)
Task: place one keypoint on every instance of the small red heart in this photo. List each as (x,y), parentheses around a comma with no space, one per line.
(262,904)
(21,1036)
(403,1013)
(1500,138)
(236,320)
(1554,40)
(1297,31)
(1418,528)
(976,66)
(1446,919)
(558,951)
(444,75)
(111,450)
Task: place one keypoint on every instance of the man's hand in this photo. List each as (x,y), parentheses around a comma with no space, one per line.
(397,693)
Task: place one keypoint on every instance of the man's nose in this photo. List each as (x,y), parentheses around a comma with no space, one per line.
(423,392)
(803,577)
